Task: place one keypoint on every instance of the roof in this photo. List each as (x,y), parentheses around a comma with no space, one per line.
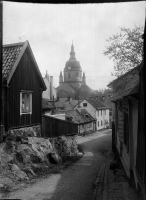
(132,87)
(64,103)
(126,76)
(12,54)
(127,84)
(79,117)
(95,103)
(46,104)
(66,89)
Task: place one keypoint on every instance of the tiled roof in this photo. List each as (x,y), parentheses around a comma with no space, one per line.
(125,77)
(133,83)
(126,84)
(64,103)
(96,103)
(79,117)
(46,104)
(10,55)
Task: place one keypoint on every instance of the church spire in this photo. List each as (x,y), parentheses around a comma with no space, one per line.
(84,78)
(72,53)
(60,77)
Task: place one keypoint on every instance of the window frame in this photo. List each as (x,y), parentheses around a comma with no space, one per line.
(30,102)
(84,104)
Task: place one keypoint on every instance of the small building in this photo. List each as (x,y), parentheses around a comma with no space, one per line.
(22,87)
(86,123)
(97,110)
(65,103)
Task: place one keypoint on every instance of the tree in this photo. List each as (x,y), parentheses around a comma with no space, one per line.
(126,49)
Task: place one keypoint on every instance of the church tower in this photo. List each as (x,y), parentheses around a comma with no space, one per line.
(73,70)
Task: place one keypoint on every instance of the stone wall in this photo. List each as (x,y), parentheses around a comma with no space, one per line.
(33,131)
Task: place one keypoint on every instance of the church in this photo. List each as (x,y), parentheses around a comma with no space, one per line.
(73,82)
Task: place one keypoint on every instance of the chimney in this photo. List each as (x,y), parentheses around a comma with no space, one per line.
(47,75)
(69,99)
(51,87)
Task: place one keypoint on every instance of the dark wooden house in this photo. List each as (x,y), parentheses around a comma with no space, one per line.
(22,87)
(129,138)
(140,168)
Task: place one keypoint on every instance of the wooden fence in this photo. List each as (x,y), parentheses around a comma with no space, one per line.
(53,127)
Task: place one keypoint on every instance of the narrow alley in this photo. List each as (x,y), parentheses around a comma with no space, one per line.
(77,181)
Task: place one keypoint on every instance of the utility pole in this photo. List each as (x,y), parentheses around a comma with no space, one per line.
(1,87)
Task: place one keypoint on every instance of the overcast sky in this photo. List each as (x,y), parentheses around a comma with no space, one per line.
(50,28)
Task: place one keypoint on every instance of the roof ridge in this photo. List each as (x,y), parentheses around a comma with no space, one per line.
(117,79)
(14,44)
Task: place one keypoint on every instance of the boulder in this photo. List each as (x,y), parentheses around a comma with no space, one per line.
(4,156)
(54,158)
(21,175)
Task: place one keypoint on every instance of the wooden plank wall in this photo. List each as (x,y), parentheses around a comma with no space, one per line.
(53,127)
(141,138)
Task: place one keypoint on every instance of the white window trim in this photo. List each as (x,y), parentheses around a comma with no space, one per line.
(25,113)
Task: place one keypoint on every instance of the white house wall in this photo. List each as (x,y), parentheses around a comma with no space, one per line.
(101,118)
(91,110)
(94,113)
(46,94)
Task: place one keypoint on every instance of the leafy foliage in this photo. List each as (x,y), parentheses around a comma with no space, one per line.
(126,49)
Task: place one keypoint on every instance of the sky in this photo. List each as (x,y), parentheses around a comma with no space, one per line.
(50,29)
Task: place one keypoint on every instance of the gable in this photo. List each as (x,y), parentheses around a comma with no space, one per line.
(12,55)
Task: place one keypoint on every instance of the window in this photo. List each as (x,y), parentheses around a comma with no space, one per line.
(110,113)
(101,112)
(84,104)
(101,123)
(25,103)
(98,113)
(105,112)
(98,124)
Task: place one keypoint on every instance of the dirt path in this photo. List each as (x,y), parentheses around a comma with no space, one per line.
(75,182)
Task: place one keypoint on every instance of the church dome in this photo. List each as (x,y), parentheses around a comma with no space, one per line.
(72,64)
